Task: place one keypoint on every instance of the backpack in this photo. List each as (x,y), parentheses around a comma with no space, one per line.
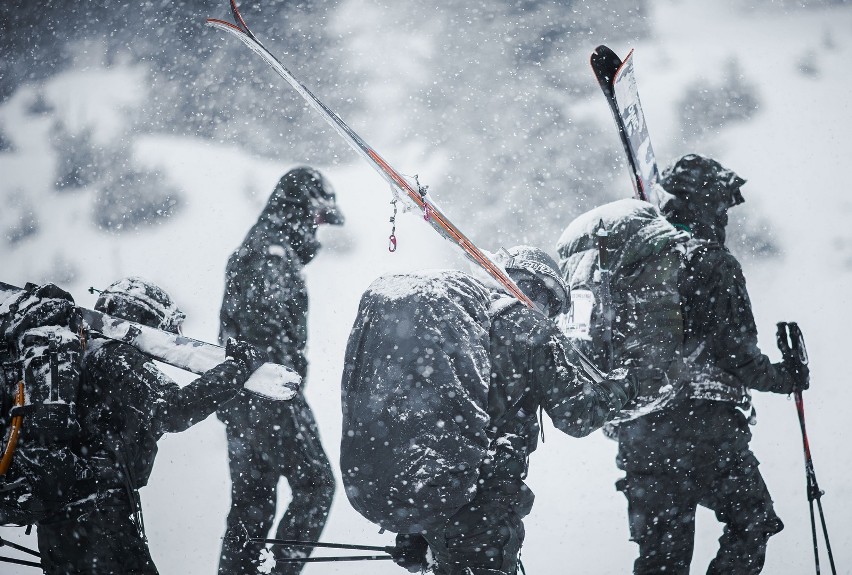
(414,394)
(41,354)
(645,255)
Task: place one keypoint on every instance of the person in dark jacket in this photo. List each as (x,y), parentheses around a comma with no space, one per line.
(695,451)
(266,304)
(530,366)
(125,405)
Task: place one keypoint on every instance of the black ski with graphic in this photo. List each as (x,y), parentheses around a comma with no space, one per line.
(270,380)
(618,82)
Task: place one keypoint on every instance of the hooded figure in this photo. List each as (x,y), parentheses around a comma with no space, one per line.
(445,374)
(695,451)
(125,404)
(699,193)
(266,303)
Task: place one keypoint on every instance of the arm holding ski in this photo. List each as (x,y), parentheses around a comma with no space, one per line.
(183,407)
(576,403)
(270,380)
(131,384)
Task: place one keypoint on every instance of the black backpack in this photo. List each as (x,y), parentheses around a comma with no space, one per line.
(644,255)
(41,354)
(414,393)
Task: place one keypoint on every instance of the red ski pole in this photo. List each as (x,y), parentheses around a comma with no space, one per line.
(791,342)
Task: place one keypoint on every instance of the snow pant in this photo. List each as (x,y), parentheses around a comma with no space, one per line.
(100,539)
(485,536)
(284,442)
(697,455)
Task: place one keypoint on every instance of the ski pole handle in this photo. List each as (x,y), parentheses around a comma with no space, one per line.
(799,349)
(791,342)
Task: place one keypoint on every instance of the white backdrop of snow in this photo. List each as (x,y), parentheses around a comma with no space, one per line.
(794,154)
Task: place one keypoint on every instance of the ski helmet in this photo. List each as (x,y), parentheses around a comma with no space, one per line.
(698,179)
(305,191)
(139,300)
(537,274)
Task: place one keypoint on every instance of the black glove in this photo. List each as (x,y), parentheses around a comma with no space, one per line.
(799,372)
(791,342)
(410,552)
(245,354)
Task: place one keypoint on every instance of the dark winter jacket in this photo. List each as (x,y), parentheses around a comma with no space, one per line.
(126,404)
(265,301)
(720,347)
(533,365)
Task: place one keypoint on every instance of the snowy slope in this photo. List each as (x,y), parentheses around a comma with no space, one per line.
(793,153)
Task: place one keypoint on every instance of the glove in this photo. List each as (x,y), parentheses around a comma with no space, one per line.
(410,552)
(245,354)
(799,372)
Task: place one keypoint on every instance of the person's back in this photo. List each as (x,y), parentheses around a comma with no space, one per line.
(696,450)
(266,304)
(125,404)
(523,366)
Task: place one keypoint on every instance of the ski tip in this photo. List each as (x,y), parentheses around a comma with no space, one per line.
(605,63)
(603,56)
(604,52)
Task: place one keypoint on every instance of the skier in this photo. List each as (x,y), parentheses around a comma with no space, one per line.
(266,304)
(443,379)
(125,404)
(695,451)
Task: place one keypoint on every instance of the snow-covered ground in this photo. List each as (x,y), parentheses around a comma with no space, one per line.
(793,152)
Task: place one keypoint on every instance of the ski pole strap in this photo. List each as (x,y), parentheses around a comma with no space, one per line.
(27,550)
(297,543)
(53,349)
(606,294)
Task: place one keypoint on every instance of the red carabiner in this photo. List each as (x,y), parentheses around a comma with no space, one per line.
(392,243)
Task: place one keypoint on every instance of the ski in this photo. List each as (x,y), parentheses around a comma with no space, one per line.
(411,195)
(270,380)
(617,80)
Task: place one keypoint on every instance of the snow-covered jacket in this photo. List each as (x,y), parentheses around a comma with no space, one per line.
(723,360)
(265,301)
(266,305)
(126,404)
(441,387)
(533,365)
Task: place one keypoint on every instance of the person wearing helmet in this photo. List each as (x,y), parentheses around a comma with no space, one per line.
(528,368)
(695,451)
(266,304)
(125,404)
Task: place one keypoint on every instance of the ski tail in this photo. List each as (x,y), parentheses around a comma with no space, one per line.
(617,80)
(605,63)
(411,196)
